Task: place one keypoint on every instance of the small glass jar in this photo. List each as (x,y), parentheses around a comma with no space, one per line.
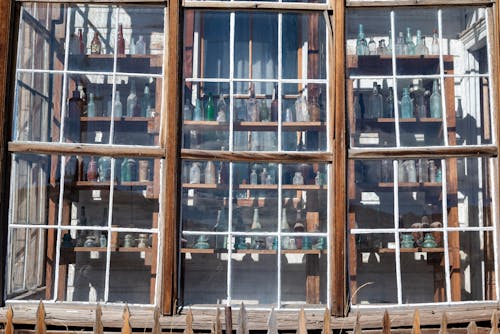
(298,179)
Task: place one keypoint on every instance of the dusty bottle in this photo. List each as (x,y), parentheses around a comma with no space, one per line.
(75,109)
(400,44)
(91,106)
(420,99)
(140,46)
(95,44)
(92,170)
(435,101)
(198,111)
(314,110)
(221,109)
(252,110)
(435,43)
(274,106)
(80,41)
(409,45)
(372,47)
(131,47)
(210,172)
(124,176)
(376,103)
(131,99)
(406,105)
(210,108)
(118,112)
(146,102)
(361,45)
(421,49)
(121,41)
(194,173)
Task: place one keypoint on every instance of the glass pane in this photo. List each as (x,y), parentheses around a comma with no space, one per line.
(38,103)
(372,269)
(372,118)
(368,42)
(135,198)
(133,269)
(41,37)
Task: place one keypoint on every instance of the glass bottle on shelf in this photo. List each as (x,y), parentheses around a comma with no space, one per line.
(432,171)
(285,228)
(411,171)
(376,103)
(258,241)
(361,45)
(104,169)
(382,49)
(75,109)
(435,101)
(400,44)
(194,173)
(263,176)
(210,116)
(423,170)
(372,47)
(188,111)
(92,170)
(131,99)
(435,43)
(80,42)
(146,102)
(409,45)
(221,109)
(252,110)
(118,112)
(198,110)
(420,99)
(264,112)
(314,109)
(421,49)
(301,112)
(389,104)
(406,104)
(210,172)
(121,41)
(131,47)
(95,44)
(91,106)
(274,105)
(223,173)
(253,176)
(298,178)
(124,176)
(140,46)
(221,226)
(389,43)
(74,44)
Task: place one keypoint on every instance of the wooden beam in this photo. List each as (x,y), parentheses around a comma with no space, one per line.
(398,3)
(424,152)
(283,157)
(235,5)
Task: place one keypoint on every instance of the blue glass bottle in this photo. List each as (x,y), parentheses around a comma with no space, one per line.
(435,101)
(406,105)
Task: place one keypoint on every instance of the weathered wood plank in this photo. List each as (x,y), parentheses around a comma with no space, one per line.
(9,325)
(302,328)
(285,157)
(386,323)
(327,327)
(377,3)
(189,323)
(40,327)
(284,6)
(228,318)
(472,328)
(242,327)
(416,323)
(126,328)
(272,326)
(98,327)
(156,321)
(423,152)
(494,322)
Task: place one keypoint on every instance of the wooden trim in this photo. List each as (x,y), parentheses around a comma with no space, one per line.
(255,5)
(6,67)
(100,1)
(251,156)
(87,149)
(338,259)
(400,3)
(424,152)
(170,140)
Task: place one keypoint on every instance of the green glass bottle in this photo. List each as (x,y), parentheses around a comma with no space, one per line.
(406,105)
(210,108)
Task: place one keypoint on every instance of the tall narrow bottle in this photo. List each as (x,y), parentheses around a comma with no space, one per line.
(131,99)
(400,44)
(118,105)
(198,110)
(252,111)
(146,101)
(274,106)
(210,108)
(222,110)
(131,47)
(406,104)
(420,99)
(376,103)
(210,172)
(75,108)
(372,47)
(121,41)
(409,45)
(140,46)
(95,45)
(435,101)
(80,40)
(389,104)
(284,227)
(435,43)
(361,45)
(421,49)
(91,106)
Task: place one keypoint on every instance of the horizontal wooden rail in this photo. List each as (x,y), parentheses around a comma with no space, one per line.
(401,3)
(252,156)
(423,152)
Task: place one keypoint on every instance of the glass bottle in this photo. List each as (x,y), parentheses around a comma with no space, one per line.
(285,241)
(406,104)
(253,176)
(400,44)
(361,45)
(210,115)
(274,106)
(80,42)
(91,106)
(221,109)
(314,109)
(74,44)
(376,103)
(263,176)
(298,178)
(435,43)
(389,43)
(264,112)
(389,104)
(432,171)
(258,241)
(252,110)
(121,41)
(124,176)
(118,112)
(95,44)
(421,49)
(459,114)
(223,173)
(194,173)
(210,172)
(221,226)
(131,99)
(131,47)
(132,169)
(420,99)
(140,46)
(75,108)
(372,47)
(146,101)
(104,169)
(411,171)
(92,170)
(382,48)
(198,111)
(409,45)
(435,101)
(188,111)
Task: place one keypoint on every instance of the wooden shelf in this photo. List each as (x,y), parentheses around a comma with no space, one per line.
(253,251)
(204,186)
(155,60)
(198,250)
(407,120)
(410,250)
(104,249)
(411,185)
(257,186)
(135,183)
(302,187)
(254,126)
(206,125)
(92,184)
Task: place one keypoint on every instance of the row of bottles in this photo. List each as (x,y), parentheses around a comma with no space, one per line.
(409,171)
(406,44)
(415,102)
(77,45)
(206,110)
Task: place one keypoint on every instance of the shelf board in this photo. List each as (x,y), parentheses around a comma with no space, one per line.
(302,187)
(204,186)
(253,251)
(203,125)
(92,184)
(257,186)
(135,183)
(302,251)
(104,249)
(410,250)
(198,250)
(116,119)
(410,185)
(407,120)
(256,251)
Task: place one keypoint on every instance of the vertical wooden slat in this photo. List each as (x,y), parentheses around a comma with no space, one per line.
(494,323)
(386,323)
(415,329)
(228,318)
(338,182)
(272,325)
(156,321)
(472,328)
(40,327)
(170,140)
(327,327)
(98,326)
(126,328)
(357,325)
(443,329)
(5,61)
(302,328)
(189,323)
(242,321)
(9,324)
(218,326)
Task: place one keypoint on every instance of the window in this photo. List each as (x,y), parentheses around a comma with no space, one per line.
(421,227)
(255,91)
(87,160)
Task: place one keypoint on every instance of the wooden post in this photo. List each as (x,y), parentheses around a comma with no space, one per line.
(40,327)
(494,323)
(156,321)
(444,324)
(416,323)
(302,328)
(218,325)
(228,317)
(357,325)
(272,325)
(126,328)
(98,326)
(472,328)
(327,328)
(9,324)
(242,321)
(386,323)
(5,60)
(189,323)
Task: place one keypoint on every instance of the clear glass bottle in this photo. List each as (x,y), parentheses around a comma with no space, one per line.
(285,228)
(411,171)
(195,173)
(91,106)
(252,110)
(124,176)
(131,47)
(314,109)
(389,104)
(389,43)
(298,178)
(146,102)
(372,47)
(131,99)
(421,49)
(274,105)
(435,101)
(221,109)
(221,226)
(198,111)
(376,103)
(435,43)
(361,45)
(140,46)
(95,44)
(406,104)
(382,49)
(253,176)
(210,172)
(400,44)
(409,45)
(187,113)
(420,99)
(263,176)
(118,112)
